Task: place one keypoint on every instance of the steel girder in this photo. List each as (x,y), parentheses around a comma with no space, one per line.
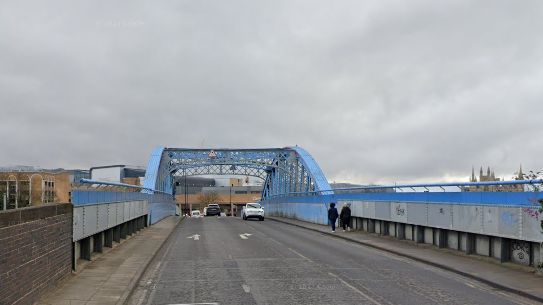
(285,170)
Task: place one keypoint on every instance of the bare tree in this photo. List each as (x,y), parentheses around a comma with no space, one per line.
(207,198)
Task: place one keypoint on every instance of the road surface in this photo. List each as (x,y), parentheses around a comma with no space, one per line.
(227,260)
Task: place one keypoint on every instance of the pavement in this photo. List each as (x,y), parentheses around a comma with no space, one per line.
(505,276)
(109,279)
(227,260)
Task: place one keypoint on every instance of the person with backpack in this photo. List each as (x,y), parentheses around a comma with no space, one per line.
(332,216)
(345,216)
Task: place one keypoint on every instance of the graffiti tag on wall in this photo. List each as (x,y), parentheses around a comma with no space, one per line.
(400,211)
(520,252)
(508,218)
(531,212)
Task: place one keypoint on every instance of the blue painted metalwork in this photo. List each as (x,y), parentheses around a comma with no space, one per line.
(363,189)
(148,190)
(312,206)
(284,170)
(152,179)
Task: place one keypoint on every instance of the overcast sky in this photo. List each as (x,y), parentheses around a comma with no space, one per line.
(376,91)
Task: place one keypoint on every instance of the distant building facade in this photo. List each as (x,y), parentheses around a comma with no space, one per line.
(27,186)
(118,174)
(491,177)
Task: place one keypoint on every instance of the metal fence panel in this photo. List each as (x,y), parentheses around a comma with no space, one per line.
(368,209)
(120,212)
(491,220)
(126,212)
(398,211)
(90,220)
(77,223)
(382,210)
(531,224)
(509,222)
(112,215)
(102,217)
(468,218)
(440,215)
(133,210)
(417,213)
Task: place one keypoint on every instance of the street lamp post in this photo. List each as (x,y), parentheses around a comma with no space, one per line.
(231,206)
(185,174)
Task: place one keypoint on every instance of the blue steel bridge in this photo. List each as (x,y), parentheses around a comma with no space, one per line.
(294,184)
(506,226)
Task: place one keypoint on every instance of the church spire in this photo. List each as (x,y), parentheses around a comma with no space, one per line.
(520,174)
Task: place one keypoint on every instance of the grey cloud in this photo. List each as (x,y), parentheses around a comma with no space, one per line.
(377,92)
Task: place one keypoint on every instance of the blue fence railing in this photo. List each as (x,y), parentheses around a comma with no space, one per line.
(160,205)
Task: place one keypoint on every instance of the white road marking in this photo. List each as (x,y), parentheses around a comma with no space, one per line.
(355,289)
(246,288)
(195,236)
(196,304)
(300,255)
(245,235)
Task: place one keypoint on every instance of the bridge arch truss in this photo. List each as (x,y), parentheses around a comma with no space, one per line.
(284,170)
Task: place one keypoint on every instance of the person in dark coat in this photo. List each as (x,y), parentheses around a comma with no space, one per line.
(345,216)
(332,216)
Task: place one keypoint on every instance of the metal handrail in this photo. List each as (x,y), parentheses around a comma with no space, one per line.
(89,181)
(422,185)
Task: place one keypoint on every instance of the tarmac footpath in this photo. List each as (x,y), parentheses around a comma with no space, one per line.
(507,276)
(110,278)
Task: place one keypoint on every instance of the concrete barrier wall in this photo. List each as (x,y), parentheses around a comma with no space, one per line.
(35,251)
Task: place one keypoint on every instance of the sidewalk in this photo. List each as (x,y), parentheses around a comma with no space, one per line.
(509,277)
(109,279)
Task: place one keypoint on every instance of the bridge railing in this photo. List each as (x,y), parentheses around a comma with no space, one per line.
(505,225)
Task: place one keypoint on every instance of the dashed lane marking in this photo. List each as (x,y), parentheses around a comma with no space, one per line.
(300,255)
(355,289)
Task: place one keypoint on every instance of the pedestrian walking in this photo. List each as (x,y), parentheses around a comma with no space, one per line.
(345,216)
(332,216)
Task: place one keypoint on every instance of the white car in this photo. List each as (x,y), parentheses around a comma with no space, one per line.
(195,213)
(252,210)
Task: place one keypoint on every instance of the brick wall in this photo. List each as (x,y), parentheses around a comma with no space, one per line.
(35,251)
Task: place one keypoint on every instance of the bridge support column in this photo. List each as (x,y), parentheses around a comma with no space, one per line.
(505,246)
(470,243)
(117,234)
(441,238)
(98,240)
(383,226)
(108,238)
(85,247)
(356,223)
(123,230)
(371,225)
(400,230)
(418,236)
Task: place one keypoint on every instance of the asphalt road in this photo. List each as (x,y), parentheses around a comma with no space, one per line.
(283,264)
